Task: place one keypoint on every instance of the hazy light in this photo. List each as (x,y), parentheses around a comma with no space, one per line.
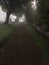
(34,4)
(13,17)
(2,15)
(22,18)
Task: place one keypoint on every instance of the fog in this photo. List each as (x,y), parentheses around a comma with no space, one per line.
(2,15)
(11,18)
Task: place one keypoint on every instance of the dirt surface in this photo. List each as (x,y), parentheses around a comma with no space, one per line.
(19,49)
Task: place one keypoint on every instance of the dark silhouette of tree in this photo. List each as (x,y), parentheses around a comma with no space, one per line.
(29,13)
(44,13)
(12,6)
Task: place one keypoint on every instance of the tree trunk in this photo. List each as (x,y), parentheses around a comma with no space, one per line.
(7,17)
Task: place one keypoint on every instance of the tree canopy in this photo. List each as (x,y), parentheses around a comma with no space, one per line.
(13,5)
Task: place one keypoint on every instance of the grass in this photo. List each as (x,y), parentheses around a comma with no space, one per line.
(5,31)
(40,41)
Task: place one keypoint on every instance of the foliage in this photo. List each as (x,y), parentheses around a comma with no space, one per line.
(42,15)
(29,13)
(40,41)
(5,31)
(13,6)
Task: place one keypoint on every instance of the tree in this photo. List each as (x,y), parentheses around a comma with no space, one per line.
(29,13)
(44,13)
(12,6)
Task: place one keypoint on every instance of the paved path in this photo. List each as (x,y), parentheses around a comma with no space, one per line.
(20,49)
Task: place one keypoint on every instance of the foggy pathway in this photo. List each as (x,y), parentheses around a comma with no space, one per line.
(20,49)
